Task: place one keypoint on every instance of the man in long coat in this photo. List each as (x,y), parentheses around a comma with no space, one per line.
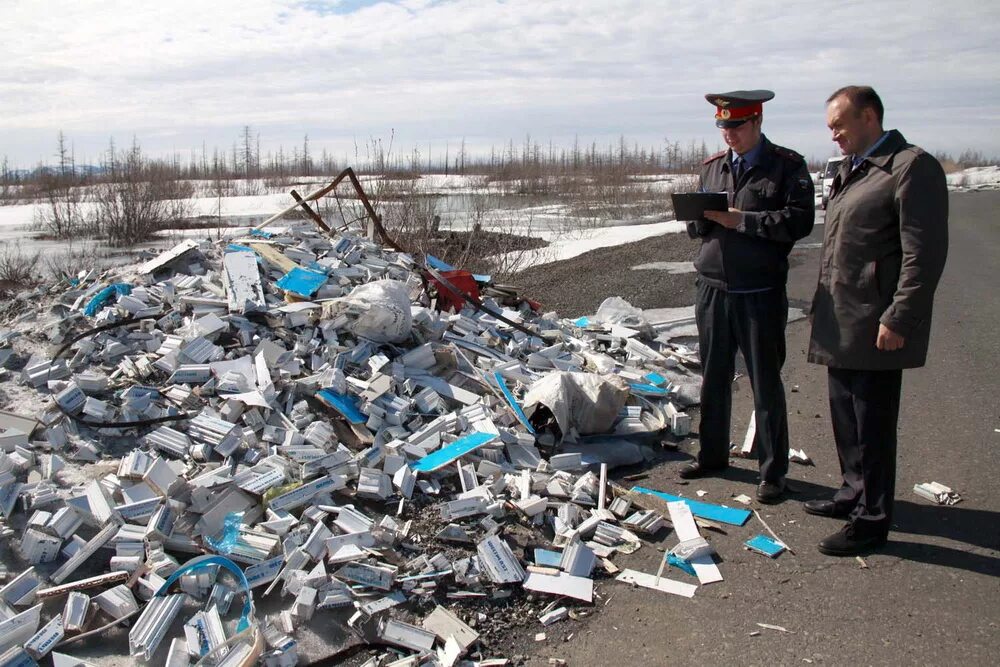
(884,250)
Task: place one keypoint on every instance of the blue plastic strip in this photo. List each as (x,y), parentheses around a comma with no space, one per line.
(438,264)
(455,450)
(261,233)
(582,321)
(221,561)
(734,517)
(521,417)
(482,278)
(105,295)
(765,545)
(344,404)
(303,282)
(236,247)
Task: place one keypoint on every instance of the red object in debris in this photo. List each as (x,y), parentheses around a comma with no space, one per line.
(460,280)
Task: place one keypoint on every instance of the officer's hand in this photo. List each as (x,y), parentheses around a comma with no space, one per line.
(888,340)
(731,218)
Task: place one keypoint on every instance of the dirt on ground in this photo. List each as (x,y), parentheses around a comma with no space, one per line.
(577,286)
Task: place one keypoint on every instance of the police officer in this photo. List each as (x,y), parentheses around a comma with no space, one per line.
(742,269)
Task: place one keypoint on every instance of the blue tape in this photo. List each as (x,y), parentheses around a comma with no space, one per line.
(345,404)
(734,517)
(521,417)
(455,450)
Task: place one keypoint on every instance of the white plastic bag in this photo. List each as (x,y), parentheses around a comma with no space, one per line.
(380,310)
(586,402)
(616,310)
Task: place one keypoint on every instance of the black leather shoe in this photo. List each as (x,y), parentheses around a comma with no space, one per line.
(696,470)
(850,541)
(771,492)
(827,508)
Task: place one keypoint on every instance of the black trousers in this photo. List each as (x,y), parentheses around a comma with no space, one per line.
(864,408)
(755,324)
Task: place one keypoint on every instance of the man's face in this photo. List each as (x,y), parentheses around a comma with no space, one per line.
(743,137)
(854,131)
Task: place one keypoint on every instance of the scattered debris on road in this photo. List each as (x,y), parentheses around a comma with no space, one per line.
(937,493)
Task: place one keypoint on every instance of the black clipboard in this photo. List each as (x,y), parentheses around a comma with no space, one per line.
(692,205)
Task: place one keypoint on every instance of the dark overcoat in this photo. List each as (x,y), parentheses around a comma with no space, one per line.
(884,249)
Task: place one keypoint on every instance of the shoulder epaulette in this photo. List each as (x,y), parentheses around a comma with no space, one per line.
(788,153)
(712,158)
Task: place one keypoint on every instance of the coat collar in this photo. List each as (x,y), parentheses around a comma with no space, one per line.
(879,158)
(892,144)
(764,156)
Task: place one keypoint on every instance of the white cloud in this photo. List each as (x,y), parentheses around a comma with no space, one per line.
(180,73)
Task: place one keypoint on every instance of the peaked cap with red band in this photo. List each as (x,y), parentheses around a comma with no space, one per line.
(732,109)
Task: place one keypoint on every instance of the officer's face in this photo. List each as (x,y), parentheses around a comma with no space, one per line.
(743,137)
(854,131)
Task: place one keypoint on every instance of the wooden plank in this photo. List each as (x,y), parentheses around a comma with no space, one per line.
(272,255)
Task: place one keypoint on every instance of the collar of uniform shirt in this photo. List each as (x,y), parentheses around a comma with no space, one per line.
(858,159)
(752,156)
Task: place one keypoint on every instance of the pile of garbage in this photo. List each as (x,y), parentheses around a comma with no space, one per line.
(230,439)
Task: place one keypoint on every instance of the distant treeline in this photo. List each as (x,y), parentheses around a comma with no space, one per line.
(527,160)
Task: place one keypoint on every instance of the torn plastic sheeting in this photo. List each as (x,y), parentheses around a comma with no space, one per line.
(345,404)
(583,401)
(735,517)
(454,451)
(304,282)
(105,295)
(230,534)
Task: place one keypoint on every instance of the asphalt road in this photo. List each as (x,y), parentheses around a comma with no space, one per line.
(932,595)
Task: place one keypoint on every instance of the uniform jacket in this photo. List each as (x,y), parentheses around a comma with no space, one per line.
(776,196)
(884,249)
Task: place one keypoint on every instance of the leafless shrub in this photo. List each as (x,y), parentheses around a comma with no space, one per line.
(70,262)
(60,213)
(18,268)
(137,199)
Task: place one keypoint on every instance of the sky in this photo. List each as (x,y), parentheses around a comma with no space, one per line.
(178,75)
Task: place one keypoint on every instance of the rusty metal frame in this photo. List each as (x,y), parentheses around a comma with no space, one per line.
(375,222)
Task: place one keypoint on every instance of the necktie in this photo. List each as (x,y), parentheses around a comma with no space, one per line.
(739,165)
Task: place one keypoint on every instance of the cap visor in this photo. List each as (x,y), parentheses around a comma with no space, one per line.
(730,124)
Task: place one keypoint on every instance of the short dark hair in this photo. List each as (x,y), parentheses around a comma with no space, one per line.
(861,97)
